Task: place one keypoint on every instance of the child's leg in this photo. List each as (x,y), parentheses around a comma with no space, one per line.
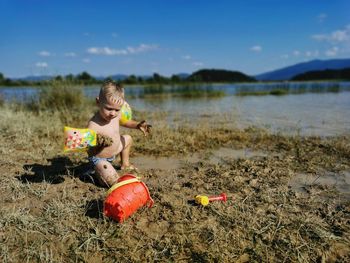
(105,173)
(125,153)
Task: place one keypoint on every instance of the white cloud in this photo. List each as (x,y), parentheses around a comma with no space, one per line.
(198,64)
(332,52)
(44,53)
(86,60)
(41,65)
(337,36)
(296,53)
(70,54)
(340,35)
(320,37)
(186,57)
(106,51)
(314,53)
(141,48)
(322,17)
(256,48)
(114,52)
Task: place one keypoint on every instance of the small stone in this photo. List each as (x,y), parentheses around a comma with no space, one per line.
(254,183)
(243,258)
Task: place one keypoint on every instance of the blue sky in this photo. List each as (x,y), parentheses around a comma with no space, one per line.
(42,37)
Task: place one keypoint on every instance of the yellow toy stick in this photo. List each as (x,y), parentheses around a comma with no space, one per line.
(76,140)
(204,200)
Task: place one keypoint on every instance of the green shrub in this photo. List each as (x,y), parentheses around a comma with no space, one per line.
(278,92)
(64,98)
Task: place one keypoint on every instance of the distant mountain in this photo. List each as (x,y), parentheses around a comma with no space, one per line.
(99,78)
(327,74)
(118,77)
(289,72)
(219,75)
(35,78)
(182,75)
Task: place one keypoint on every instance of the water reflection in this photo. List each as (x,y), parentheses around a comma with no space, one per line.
(307,108)
(192,91)
(293,88)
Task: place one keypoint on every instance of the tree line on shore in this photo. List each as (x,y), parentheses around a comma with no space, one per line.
(212,75)
(204,75)
(327,74)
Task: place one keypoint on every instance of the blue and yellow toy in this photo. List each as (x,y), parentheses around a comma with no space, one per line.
(126,113)
(78,139)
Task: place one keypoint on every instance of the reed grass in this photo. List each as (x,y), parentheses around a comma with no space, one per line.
(64,99)
(279,89)
(275,92)
(190,91)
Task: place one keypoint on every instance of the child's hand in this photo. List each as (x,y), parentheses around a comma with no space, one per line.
(144,127)
(104,141)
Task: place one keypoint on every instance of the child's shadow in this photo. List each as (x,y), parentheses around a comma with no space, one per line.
(94,209)
(54,172)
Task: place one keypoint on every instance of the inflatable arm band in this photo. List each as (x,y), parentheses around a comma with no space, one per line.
(126,113)
(78,139)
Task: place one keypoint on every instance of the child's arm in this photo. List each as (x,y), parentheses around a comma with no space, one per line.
(142,126)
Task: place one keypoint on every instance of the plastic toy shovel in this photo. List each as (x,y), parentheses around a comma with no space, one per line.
(204,200)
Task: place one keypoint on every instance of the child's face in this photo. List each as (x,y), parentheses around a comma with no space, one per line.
(110,108)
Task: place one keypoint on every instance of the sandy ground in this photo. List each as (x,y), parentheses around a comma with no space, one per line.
(288,198)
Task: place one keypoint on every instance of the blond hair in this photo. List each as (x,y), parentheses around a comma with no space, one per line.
(112,91)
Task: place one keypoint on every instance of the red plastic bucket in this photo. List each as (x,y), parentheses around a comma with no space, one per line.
(125,197)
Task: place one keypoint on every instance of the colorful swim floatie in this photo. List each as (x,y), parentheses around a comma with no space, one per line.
(126,113)
(78,139)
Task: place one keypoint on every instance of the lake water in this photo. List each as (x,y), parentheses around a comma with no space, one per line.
(309,109)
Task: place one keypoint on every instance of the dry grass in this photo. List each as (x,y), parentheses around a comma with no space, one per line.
(49,212)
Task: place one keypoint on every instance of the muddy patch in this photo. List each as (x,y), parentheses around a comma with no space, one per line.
(214,157)
(304,183)
(223,153)
(162,163)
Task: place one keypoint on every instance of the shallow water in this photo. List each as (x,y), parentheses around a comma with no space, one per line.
(219,155)
(324,114)
(215,157)
(315,112)
(339,181)
(162,163)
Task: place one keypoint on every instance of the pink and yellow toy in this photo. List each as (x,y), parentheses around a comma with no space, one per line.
(204,200)
(78,139)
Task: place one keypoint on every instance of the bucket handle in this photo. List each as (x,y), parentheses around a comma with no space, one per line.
(117,185)
(150,200)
